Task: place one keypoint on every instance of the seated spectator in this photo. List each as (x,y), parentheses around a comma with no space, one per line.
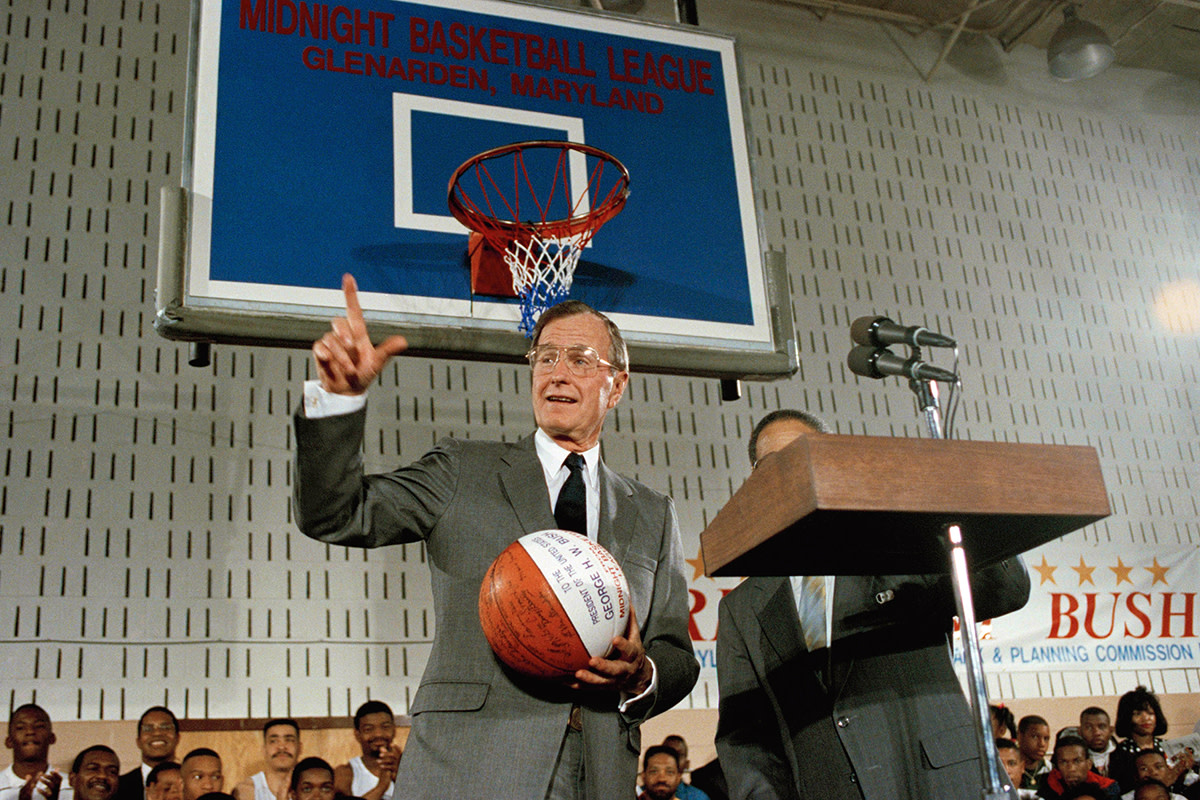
(1140,723)
(684,790)
(1095,728)
(95,773)
(157,738)
(312,779)
(1073,768)
(30,734)
(281,749)
(1010,756)
(165,782)
(201,771)
(1033,738)
(660,774)
(371,776)
(1004,726)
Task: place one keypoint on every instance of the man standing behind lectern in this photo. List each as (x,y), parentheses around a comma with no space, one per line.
(479,730)
(842,689)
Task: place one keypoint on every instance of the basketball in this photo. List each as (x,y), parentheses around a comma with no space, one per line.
(551,601)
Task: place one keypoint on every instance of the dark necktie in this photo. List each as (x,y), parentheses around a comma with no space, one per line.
(570,513)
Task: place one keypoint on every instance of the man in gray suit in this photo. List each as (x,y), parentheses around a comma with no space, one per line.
(879,714)
(480,730)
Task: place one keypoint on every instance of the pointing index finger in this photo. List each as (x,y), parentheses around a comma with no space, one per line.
(354,313)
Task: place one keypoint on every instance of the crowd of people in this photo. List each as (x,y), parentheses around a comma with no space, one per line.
(1098,758)
(95,772)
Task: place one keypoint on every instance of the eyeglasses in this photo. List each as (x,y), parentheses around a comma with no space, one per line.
(581,360)
(162,727)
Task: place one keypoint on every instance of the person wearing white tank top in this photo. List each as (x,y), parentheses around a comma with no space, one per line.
(371,776)
(281,750)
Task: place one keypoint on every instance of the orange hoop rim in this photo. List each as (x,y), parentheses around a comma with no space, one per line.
(576,225)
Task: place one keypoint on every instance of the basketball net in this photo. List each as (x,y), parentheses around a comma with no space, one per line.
(542,272)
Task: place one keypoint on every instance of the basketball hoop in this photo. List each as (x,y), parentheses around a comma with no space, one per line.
(540,233)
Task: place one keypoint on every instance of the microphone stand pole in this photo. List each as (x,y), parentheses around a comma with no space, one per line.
(995,787)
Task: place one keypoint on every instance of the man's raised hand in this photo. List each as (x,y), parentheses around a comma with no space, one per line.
(346,360)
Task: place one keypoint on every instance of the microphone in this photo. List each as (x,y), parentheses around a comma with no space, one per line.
(879,362)
(881,331)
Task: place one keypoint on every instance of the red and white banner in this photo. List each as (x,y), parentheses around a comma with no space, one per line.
(1108,607)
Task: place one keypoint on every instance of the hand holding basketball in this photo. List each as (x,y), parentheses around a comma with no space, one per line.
(627,671)
(346,360)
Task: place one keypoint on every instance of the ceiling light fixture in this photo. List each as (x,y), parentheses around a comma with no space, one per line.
(1078,49)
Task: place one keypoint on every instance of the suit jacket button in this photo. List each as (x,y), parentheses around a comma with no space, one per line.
(843,722)
(853,778)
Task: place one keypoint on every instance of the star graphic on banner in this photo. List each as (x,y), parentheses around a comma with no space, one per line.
(1085,572)
(1122,572)
(1159,572)
(1046,571)
(697,564)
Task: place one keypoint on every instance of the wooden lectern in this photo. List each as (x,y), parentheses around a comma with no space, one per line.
(862,505)
(867,505)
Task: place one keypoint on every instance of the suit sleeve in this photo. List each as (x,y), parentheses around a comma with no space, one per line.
(665,631)
(749,744)
(336,503)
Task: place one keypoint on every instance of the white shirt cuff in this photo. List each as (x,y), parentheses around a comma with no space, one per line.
(319,403)
(627,700)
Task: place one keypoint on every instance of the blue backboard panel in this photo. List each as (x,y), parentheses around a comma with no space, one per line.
(322,139)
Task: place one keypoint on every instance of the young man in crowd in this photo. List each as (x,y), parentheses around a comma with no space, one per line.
(1033,738)
(1095,728)
(157,738)
(1072,768)
(371,776)
(30,734)
(281,749)
(201,771)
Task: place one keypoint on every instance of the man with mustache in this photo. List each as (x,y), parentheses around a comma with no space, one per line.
(95,773)
(372,775)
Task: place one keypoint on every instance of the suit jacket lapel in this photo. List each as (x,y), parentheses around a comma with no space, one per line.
(777,616)
(524,485)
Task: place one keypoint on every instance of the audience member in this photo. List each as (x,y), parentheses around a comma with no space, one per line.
(201,771)
(684,791)
(1004,726)
(281,748)
(312,779)
(371,776)
(157,738)
(30,776)
(661,774)
(1072,768)
(1010,758)
(1095,728)
(1033,738)
(95,773)
(165,782)
(1140,723)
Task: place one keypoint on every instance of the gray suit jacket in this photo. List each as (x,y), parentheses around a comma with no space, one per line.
(479,730)
(880,715)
